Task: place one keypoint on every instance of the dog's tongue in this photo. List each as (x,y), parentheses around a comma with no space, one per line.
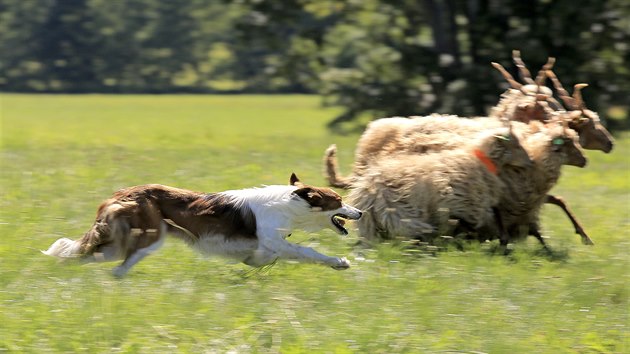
(341,221)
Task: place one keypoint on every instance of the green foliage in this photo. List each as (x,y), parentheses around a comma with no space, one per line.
(61,155)
(372,58)
(113,46)
(418,57)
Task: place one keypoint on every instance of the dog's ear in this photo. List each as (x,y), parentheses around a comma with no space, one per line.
(308,194)
(294,180)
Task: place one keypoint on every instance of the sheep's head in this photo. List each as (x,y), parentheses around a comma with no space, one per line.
(593,135)
(505,148)
(518,106)
(563,142)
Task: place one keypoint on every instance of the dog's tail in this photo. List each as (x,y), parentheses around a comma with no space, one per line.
(64,248)
(107,228)
(67,248)
(332,169)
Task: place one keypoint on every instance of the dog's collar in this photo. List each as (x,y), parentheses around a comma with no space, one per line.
(486,161)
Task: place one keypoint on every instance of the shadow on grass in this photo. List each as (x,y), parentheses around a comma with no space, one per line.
(518,252)
(416,249)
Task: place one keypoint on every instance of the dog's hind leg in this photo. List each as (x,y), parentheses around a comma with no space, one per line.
(156,241)
(103,253)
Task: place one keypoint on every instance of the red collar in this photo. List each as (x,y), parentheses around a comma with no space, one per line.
(486,161)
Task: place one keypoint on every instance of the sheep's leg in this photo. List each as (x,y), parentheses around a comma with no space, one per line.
(504,237)
(534,230)
(557,200)
(464,227)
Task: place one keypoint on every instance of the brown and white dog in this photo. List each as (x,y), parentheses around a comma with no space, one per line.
(248,225)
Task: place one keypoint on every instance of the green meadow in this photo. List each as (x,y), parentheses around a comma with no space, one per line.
(61,155)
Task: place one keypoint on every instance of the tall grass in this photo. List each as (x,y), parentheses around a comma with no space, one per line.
(61,155)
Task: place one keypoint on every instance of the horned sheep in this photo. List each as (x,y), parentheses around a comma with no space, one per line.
(551,145)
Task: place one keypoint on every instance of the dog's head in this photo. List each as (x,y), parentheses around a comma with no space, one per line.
(326,209)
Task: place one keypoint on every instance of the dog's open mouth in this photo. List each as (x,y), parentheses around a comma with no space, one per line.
(339,220)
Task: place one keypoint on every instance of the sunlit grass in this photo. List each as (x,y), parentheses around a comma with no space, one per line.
(61,155)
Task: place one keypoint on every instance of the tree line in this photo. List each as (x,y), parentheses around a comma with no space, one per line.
(371,57)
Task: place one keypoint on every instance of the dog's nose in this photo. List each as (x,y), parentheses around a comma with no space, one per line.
(360,214)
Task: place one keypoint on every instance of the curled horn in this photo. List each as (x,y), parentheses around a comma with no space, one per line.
(527,76)
(515,84)
(550,113)
(577,95)
(542,75)
(554,104)
(564,95)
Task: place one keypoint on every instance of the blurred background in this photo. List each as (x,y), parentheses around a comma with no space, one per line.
(372,58)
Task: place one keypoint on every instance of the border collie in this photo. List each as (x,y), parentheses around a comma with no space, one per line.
(248,225)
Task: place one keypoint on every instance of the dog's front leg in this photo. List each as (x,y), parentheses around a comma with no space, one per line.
(285,250)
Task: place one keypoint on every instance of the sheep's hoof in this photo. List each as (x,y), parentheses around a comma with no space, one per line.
(587,241)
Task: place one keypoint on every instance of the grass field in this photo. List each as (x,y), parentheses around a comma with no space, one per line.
(62,155)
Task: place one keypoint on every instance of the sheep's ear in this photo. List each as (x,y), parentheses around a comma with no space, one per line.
(577,118)
(294,179)
(505,137)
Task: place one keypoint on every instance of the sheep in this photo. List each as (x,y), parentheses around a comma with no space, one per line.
(549,148)
(404,195)
(430,134)
(517,103)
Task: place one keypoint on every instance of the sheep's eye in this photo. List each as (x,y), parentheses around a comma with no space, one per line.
(557,141)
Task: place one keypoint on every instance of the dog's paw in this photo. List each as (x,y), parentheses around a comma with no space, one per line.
(119,271)
(342,263)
